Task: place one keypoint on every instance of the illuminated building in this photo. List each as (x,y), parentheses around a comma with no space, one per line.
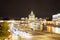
(49,26)
(31,16)
(56,23)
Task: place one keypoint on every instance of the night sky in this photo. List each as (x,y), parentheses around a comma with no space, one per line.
(22,8)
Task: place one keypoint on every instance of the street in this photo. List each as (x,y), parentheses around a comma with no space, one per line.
(28,34)
(43,36)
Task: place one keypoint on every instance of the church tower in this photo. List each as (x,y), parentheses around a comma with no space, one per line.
(31,16)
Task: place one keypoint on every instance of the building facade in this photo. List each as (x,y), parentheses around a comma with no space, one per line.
(56,23)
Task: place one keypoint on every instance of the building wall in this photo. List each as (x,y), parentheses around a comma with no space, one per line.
(56,23)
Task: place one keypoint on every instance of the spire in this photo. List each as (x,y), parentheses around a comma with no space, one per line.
(32,13)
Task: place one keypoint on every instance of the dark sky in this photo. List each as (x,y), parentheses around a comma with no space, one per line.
(22,8)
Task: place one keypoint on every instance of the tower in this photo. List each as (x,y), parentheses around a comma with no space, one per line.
(31,16)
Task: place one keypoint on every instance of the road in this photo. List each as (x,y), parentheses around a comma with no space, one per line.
(37,35)
(43,36)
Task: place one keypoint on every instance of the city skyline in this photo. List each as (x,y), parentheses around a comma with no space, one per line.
(22,8)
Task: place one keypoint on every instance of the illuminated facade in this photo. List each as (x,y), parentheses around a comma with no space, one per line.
(56,23)
(32,16)
(31,21)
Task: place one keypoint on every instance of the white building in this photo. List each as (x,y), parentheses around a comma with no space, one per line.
(32,16)
(56,24)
